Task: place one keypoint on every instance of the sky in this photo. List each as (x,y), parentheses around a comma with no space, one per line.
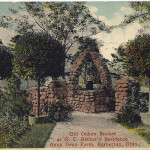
(112,13)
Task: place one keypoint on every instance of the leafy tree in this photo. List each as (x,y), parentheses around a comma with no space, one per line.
(142,13)
(136,57)
(5,62)
(118,68)
(136,54)
(86,43)
(36,56)
(64,21)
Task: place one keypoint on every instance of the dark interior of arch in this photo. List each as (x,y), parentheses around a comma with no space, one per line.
(89,78)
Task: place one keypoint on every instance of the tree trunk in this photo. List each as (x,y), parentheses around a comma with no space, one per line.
(149,96)
(27,84)
(38,99)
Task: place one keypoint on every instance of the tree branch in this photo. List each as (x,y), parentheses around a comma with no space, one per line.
(37,22)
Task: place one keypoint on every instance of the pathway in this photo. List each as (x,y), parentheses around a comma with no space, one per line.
(93,131)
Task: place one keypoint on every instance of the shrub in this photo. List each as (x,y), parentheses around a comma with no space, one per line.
(14,111)
(57,111)
(14,103)
(11,130)
(130,114)
(144,101)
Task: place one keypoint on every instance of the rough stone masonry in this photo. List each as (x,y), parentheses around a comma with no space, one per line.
(90,101)
(122,92)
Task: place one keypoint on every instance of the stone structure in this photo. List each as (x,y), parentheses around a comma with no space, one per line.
(90,101)
(57,90)
(123,91)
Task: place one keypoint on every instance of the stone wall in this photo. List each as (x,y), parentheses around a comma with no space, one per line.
(57,90)
(90,101)
(123,91)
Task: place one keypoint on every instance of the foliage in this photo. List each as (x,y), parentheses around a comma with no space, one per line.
(134,56)
(35,137)
(11,130)
(86,44)
(13,103)
(118,63)
(130,114)
(137,56)
(5,62)
(37,55)
(13,85)
(141,43)
(118,69)
(14,111)
(88,73)
(57,111)
(64,21)
(143,97)
(129,117)
(14,107)
(144,131)
(141,13)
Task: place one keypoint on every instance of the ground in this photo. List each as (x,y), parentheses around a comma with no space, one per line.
(93,130)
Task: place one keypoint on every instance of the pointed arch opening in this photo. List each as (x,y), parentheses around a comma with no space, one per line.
(89,78)
(87,98)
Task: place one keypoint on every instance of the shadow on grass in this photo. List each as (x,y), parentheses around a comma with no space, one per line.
(35,137)
(144,131)
(139,128)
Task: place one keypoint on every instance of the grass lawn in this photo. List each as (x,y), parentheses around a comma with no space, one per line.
(35,137)
(142,130)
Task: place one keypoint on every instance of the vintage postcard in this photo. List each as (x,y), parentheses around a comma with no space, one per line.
(75,74)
